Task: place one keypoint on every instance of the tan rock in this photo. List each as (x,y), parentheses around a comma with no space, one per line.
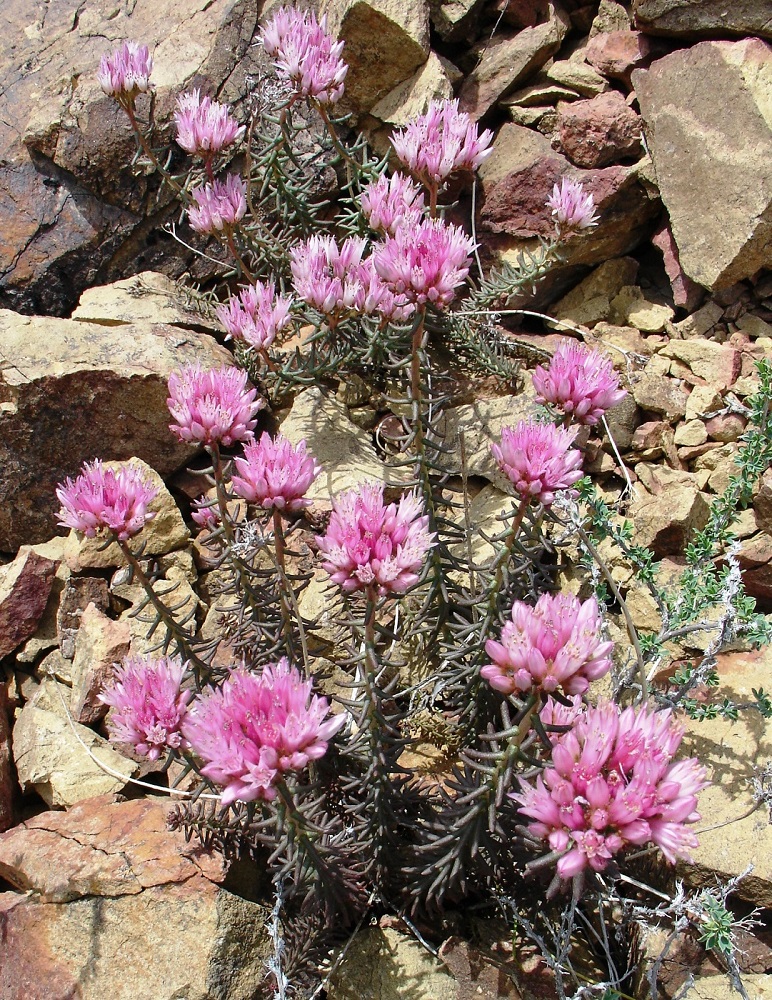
(710,17)
(611,16)
(593,294)
(702,399)
(629,306)
(691,433)
(757,987)
(660,395)
(99,645)
(453,19)
(717,364)
(148,297)
(577,75)
(665,522)
(754,326)
(762,503)
(412,97)
(699,322)
(78,593)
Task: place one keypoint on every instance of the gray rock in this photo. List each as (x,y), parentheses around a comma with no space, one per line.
(705,19)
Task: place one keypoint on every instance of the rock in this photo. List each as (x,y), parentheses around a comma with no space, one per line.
(611,16)
(718,987)
(702,399)
(100,644)
(384,963)
(578,76)
(754,326)
(520,13)
(691,433)
(79,391)
(725,427)
(126,910)
(591,297)
(24,588)
(386,42)
(730,750)
(166,532)
(687,294)
(7,781)
(600,131)
(149,297)
(78,593)
(477,973)
(665,522)
(51,760)
(411,98)
(622,420)
(630,307)
(453,20)
(762,503)
(507,61)
(617,53)
(706,19)
(660,395)
(708,127)
(717,364)
(755,557)
(700,322)
(539,95)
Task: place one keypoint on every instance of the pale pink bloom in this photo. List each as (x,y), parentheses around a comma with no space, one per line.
(205,512)
(370,544)
(125,72)
(579,381)
(213,406)
(324,274)
(425,263)
(218,206)
(390,202)
(598,797)
(99,498)
(254,727)
(368,294)
(255,315)
(275,473)
(572,208)
(204,126)
(554,646)
(538,459)
(305,55)
(441,141)
(148,705)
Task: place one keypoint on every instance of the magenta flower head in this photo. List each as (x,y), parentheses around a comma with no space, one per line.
(572,208)
(425,263)
(441,141)
(115,499)
(579,381)
(126,72)
(369,544)
(212,407)
(555,646)
(204,127)
(390,202)
(612,783)
(148,706)
(218,206)
(324,274)
(305,55)
(538,459)
(255,315)
(255,727)
(275,474)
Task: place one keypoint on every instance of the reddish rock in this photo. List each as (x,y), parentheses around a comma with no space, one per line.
(726,427)
(755,558)
(617,53)
(24,588)
(687,294)
(520,13)
(650,436)
(7,783)
(762,503)
(78,593)
(600,131)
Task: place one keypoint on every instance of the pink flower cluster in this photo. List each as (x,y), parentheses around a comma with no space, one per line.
(425,263)
(125,72)
(538,459)
(275,474)
(115,499)
(612,783)
(390,202)
(204,127)
(554,646)
(255,315)
(324,274)
(148,706)
(253,728)
(218,206)
(572,208)
(305,54)
(214,406)
(371,544)
(579,381)
(436,144)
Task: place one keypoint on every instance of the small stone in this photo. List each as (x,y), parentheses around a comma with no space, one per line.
(25,585)
(611,16)
(629,306)
(411,98)
(691,433)
(660,395)
(674,18)
(726,427)
(599,131)
(543,119)
(687,294)
(591,297)
(78,593)
(702,399)
(100,644)
(665,522)
(578,76)
(754,326)
(700,322)
(148,297)
(617,53)
(454,19)
(539,94)
(717,364)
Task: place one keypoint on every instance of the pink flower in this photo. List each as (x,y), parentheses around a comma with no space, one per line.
(425,263)
(571,207)
(579,381)
(324,274)
(369,294)
(218,206)
(538,459)
(116,499)
(555,646)
(125,72)
(255,315)
(273,473)
(305,55)
(390,202)
(613,784)
(212,406)
(254,727)
(204,126)
(369,544)
(441,141)
(148,706)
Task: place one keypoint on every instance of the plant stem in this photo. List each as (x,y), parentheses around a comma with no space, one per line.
(148,151)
